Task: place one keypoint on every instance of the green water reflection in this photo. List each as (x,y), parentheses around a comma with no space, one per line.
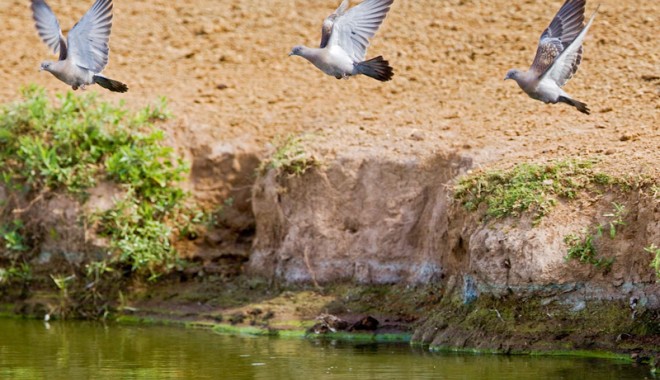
(79,350)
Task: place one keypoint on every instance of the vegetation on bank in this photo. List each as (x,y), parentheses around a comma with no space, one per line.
(68,147)
(582,247)
(534,189)
(528,187)
(289,157)
(655,264)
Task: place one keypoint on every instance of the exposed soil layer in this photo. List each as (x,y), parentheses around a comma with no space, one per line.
(376,207)
(225,69)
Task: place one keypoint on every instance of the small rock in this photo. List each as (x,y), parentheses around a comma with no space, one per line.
(367,323)
(579,306)
(237,318)
(650,78)
(328,323)
(417,136)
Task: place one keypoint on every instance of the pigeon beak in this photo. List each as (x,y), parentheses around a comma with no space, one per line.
(290,54)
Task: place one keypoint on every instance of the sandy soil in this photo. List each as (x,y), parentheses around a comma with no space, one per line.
(224,67)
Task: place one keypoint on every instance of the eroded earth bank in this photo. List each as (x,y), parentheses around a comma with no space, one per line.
(444,205)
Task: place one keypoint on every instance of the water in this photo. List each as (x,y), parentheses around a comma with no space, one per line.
(81,350)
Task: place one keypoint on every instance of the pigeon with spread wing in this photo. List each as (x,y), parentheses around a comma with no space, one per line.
(84,54)
(557,57)
(344,41)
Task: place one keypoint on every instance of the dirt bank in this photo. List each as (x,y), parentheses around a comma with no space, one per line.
(372,201)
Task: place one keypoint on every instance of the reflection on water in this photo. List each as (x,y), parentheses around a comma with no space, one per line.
(80,350)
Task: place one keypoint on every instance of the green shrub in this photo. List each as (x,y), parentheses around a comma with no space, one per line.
(71,145)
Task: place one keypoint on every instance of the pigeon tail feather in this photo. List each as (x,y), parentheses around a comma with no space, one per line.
(582,107)
(376,68)
(110,84)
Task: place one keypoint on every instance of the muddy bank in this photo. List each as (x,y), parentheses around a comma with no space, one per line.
(355,235)
(369,220)
(374,220)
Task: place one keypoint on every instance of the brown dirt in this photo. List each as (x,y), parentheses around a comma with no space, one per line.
(225,69)
(232,89)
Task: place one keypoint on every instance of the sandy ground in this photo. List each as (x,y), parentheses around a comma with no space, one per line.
(224,67)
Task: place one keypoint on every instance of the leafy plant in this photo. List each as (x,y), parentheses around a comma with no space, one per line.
(617,215)
(655,264)
(12,237)
(582,247)
(64,284)
(96,269)
(139,239)
(21,273)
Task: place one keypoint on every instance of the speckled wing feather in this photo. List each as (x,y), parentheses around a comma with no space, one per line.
(88,40)
(353,30)
(48,27)
(329,22)
(561,32)
(565,64)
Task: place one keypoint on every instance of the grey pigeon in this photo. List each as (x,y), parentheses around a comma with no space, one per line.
(557,58)
(344,41)
(85,52)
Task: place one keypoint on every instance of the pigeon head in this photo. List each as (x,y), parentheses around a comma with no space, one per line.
(297,50)
(45,65)
(512,74)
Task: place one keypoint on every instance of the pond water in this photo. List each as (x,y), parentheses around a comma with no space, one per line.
(80,350)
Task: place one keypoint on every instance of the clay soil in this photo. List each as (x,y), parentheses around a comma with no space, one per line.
(223,65)
(224,68)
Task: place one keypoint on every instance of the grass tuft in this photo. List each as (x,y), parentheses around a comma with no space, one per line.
(655,263)
(533,188)
(290,157)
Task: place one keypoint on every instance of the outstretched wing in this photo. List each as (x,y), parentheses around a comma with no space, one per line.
(329,22)
(566,63)
(353,30)
(557,37)
(88,40)
(48,27)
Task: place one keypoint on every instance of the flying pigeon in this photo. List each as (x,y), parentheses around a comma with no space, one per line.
(557,58)
(344,41)
(85,52)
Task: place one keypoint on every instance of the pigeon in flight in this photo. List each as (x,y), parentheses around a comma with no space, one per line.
(85,52)
(344,41)
(557,58)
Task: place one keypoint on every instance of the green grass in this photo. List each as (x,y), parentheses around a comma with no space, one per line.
(528,188)
(70,145)
(655,263)
(289,157)
(583,247)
